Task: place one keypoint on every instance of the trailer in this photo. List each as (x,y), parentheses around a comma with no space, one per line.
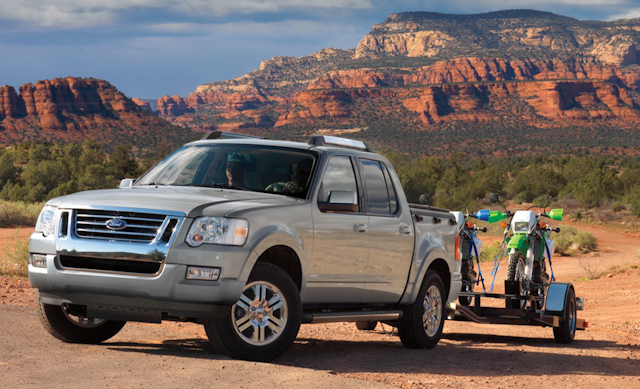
(557,309)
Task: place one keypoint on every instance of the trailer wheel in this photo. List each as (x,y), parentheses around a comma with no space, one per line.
(567,330)
(422,322)
(515,272)
(366,325)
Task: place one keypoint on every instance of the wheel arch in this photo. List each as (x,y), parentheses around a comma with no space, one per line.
(283,250)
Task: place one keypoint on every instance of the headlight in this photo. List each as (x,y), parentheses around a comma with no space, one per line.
(218,230)
(521,226)
(46,221)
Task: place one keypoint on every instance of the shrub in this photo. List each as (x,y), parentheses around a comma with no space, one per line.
(489,252)
(16,261)
(586,241)
(570,235)
(618,207)
(19,213)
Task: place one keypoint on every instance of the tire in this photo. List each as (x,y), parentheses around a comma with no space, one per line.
(366,325)
(468,280)
(567,330)
(65,326)
(422,322)
(264,322)
(515,272)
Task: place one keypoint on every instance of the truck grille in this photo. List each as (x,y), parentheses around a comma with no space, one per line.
(128,226)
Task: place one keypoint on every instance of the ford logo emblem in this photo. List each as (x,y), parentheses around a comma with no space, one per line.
(116,224)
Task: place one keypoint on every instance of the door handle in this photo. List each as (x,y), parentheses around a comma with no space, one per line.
(405,229)
(361,228)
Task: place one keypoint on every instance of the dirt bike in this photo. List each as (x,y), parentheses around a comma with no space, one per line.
(529,247)
(469,251)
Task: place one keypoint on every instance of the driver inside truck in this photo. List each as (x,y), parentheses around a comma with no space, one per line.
(299,182)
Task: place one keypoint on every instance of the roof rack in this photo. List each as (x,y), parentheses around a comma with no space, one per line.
(320,140)
(229,135)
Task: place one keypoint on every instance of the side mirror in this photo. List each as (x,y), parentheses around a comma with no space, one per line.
(493,198)
(340,201)
(424,199)
(127,182)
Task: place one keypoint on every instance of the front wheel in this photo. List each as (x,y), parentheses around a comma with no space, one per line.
(422,322)
(264,322)
(515,272)
(567,330)
(71,327)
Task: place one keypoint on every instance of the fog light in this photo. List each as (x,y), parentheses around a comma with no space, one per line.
(38,260)
(203,273)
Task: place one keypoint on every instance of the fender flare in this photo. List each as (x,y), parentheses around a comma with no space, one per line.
(271,236)
(413,287)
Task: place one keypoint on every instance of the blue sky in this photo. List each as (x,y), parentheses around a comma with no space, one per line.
(150,48)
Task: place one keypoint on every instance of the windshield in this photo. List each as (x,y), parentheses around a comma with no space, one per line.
(242,167)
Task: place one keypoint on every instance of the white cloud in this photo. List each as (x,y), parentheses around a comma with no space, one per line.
(630,14)
(74,13)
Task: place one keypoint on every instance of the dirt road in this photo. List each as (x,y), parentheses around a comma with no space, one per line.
(177,355)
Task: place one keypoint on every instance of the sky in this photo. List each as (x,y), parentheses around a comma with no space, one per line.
(151,48)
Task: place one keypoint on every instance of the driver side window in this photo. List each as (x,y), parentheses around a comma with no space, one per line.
(338,176)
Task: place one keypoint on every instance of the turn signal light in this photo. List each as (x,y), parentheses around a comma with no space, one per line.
(504,224)
(543,225)
(471,225)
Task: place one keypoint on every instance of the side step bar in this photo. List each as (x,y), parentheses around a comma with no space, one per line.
(334,317)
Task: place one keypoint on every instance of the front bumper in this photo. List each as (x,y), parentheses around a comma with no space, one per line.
(166,293)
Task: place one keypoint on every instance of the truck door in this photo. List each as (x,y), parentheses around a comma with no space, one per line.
(337,269)
(392,235)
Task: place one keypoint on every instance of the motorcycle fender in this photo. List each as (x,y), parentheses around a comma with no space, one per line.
(519,242)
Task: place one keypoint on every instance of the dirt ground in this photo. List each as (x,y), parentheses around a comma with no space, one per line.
(177,355)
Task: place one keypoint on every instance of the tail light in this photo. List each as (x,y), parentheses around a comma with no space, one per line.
(458,254)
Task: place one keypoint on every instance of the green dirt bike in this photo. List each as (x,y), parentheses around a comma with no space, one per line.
(529,247)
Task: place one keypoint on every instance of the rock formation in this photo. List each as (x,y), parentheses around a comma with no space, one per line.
(75,109)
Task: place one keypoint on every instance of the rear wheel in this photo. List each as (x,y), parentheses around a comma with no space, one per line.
(468,280)
(422,322)
(567,330)
(366,325)
(515,272)
(71,327)
(264,322)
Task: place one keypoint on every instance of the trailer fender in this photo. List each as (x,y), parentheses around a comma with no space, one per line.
(556,297)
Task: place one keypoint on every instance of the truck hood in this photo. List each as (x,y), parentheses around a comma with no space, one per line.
(190,201)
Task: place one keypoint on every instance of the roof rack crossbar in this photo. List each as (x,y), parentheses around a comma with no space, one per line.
(229,135)
(320,140)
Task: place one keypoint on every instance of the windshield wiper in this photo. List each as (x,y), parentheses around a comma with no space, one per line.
(154,184)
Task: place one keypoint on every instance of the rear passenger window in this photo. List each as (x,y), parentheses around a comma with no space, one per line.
(378,201)
(338,175)
(393,198)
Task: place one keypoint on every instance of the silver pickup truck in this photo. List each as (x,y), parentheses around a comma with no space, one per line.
(250,237)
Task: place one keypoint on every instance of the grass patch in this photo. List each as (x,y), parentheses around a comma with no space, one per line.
(16,260)
(18,213)
(489,252)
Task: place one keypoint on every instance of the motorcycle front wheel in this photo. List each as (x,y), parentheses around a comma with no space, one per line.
(515,272)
